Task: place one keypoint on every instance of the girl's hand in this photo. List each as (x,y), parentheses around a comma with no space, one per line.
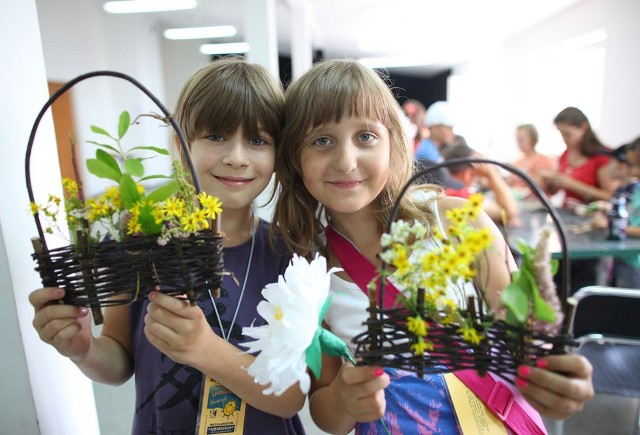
(66,327)
(558,386)
(178,329)
(361,391)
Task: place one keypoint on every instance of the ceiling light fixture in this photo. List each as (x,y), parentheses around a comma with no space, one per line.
(230,48)
(137,6)
(394,61)
(200,32)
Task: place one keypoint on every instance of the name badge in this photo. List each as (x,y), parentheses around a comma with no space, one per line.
(473,415)
(221,411)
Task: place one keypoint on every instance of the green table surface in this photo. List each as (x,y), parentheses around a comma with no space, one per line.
(588,244)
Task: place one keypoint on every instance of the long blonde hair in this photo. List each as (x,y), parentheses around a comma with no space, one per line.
(329,91)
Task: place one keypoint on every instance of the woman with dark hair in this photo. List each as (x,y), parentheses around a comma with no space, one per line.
(582,167)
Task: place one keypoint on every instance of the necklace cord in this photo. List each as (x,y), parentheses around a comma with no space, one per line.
(244,285)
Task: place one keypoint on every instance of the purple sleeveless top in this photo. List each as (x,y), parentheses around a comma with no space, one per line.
(168,393)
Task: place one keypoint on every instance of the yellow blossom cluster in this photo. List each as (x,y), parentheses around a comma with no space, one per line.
(437,262)
(106,211)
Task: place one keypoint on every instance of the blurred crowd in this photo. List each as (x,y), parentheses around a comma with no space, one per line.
(584,179)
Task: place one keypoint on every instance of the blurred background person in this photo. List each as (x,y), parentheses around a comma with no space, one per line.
(440,121)
(416,113)
(498,197)
(530,161)
(583,171)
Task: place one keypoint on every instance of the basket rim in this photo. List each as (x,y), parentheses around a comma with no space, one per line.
(68,85)
(535,188)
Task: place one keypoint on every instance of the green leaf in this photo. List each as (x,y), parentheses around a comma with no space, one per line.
(162,151)
(108,159)
(515,297)
(123,124)
(102,170)
(324,309)
(332,345)
(313,355)
(151,177)
(134,167)
(98,130)
(555,264)
(541,309)
(147,221)
(164,191)
(104,145)
(129,194)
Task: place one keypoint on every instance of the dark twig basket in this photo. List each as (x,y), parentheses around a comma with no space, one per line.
(387,341)
(120,272)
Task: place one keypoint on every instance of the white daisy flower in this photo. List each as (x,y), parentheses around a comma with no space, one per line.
(291,339)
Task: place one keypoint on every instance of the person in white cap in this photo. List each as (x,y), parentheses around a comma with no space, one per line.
(440,120)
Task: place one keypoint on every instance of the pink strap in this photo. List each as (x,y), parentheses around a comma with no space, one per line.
(357,266)
(513,410)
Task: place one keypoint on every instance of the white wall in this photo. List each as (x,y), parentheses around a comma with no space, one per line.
(79,37)
(60,397)
(496,91)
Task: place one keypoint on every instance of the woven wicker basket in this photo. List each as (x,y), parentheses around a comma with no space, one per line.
(387,340)
(120,272)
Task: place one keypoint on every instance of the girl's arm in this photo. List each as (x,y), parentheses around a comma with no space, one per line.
(106,358)
(182,333)
(589,193)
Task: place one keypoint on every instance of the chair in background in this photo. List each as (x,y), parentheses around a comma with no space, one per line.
(606,325)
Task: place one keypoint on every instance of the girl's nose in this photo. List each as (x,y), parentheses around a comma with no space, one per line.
(346,158)
(236,155)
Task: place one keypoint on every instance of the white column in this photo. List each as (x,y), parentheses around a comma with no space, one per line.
(63,397)
(260,33)
(301,46)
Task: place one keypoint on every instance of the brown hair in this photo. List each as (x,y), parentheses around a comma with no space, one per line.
(329,91)
(227,93)
(531,130)
(590,144)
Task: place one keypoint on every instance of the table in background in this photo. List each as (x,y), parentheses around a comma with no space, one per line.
(591,244)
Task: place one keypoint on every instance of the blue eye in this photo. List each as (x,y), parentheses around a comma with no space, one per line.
(215,138)
(322,141)
(367,137)
(258,141)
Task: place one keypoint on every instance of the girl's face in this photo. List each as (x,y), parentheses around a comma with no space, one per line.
(345,165)
(234,168)
(524,141)
(571,135)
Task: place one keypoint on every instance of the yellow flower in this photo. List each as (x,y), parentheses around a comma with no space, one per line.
(174,207)
(476,200)
(158,214)
(421,346)
(133,226)
(70,186)
(401,260)
(211,205)
(470,335)
(193,222)
(417,325)
(34,208)
(140,188)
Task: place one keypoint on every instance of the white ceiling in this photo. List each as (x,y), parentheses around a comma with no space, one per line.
(447,32)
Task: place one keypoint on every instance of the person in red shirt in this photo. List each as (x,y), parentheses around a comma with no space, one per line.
(583,167)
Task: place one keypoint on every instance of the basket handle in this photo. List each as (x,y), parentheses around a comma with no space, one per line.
(65,88)
(565,269)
